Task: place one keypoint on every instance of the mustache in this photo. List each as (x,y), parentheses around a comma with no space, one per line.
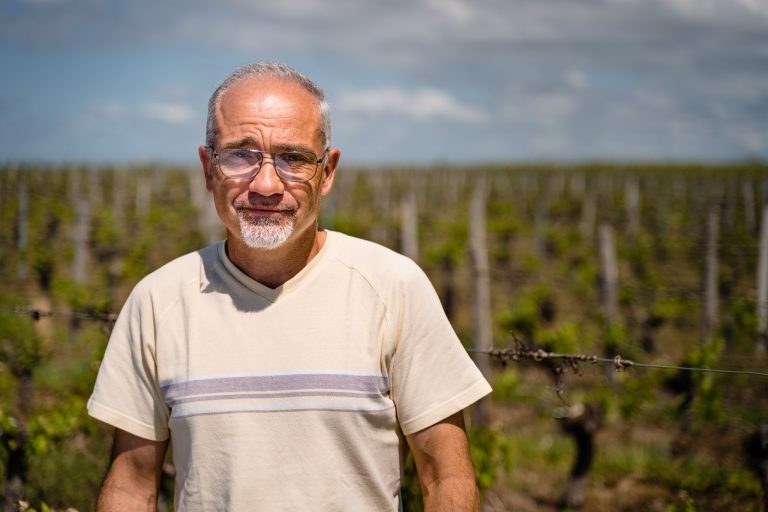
(267,206)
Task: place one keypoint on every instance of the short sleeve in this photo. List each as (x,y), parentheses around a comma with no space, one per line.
(431,374)
(127,393)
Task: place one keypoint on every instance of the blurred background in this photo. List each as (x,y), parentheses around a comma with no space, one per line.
(582,177)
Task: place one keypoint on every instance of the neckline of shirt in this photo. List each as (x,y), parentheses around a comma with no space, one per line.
(272,294)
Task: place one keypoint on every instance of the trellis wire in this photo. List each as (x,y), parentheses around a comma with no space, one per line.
(520,352)
(37,314)
(619,363)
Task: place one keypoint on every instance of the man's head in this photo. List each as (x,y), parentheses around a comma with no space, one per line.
(275,70)
(261,118)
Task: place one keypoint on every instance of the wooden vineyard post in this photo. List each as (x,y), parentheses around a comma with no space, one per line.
(328,211)
(481,286)
(208,219)
(82,232)
(22,235)
(118,201)
(711,303)
(609,288)
(632,203)
(762,287)
(540,227)
(588,215)
(409,222)
(609,274)
(382,193)
(748,194)
(143,196)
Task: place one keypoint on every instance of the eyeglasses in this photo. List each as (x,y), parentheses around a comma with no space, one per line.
(245,163)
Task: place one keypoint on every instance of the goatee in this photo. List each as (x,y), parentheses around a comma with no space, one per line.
(265,232)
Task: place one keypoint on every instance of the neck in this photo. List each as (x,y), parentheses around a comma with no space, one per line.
(274,267)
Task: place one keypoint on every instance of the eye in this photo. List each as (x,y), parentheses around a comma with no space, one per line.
(294,157)
(239,157)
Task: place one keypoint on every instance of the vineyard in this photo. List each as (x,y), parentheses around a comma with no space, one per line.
(663,265)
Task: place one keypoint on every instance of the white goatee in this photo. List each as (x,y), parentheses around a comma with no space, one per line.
(265,232)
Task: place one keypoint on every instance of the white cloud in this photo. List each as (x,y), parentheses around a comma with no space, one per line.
(455,10)
(167,112)
(562,76)
(576,79)
(112,109)
(421,105)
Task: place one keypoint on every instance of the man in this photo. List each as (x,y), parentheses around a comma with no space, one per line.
(287,363)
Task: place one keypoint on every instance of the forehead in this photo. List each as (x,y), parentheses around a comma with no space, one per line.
(268,107)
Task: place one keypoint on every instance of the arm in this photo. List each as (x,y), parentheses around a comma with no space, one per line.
(133,478)
(445,470)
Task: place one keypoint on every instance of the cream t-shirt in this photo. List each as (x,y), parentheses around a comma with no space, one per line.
(294,398)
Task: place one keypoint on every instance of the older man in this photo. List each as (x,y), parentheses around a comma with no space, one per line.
(287,363)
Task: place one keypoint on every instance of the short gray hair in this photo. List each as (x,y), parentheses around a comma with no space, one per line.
(269,69)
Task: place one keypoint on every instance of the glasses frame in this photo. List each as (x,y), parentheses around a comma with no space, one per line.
(215,156)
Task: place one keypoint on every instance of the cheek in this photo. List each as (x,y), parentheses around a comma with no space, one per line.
(228,193)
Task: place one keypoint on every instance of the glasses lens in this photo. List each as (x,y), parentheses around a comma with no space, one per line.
(239,163)
(296,165)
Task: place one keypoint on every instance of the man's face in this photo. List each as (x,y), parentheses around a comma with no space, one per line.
(270,115)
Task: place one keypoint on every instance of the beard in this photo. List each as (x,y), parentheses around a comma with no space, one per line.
(266,232)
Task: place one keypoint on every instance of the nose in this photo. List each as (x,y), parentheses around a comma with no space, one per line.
(267,182)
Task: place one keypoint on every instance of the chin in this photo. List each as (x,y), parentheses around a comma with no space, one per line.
(265,234)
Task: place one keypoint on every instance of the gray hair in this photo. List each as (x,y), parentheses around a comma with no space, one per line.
(269,69)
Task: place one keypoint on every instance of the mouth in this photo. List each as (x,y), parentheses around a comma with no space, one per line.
(264,211)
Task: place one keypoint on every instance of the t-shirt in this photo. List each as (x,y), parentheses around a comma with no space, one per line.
(293,398)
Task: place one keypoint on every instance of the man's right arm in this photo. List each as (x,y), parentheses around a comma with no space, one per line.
(133,478)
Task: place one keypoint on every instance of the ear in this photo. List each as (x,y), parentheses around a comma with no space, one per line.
(206,159)
(329,170)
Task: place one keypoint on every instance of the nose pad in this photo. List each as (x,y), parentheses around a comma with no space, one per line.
(266,182)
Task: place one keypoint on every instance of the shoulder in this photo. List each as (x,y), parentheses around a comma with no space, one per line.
(375,262)
(172,280)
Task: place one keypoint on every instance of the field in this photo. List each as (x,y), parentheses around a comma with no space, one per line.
(657,263)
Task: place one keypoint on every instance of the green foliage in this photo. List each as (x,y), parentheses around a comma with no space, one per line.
(708,404)
(614,337)
(740,323)
(410,490)
(47,429)
(684,503)
(449,243)
(490,451)
(669,308)
(67,475)
(525,320)
(704,477)
(20,347)
(636,393)
(505,384)
(349,224)
(566,338)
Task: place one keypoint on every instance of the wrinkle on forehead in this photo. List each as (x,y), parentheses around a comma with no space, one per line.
(269,103)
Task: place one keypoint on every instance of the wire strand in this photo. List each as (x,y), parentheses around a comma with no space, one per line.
(619,363)
(37,314)
(515,354)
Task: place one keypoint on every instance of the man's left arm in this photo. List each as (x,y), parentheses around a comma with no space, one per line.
(445,470)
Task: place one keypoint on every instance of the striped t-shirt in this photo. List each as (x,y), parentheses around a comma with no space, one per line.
(294,398)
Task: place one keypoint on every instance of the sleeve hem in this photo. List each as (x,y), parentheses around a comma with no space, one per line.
(123,422)
(469,396)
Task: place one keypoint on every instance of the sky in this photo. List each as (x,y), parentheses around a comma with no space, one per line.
(408,81)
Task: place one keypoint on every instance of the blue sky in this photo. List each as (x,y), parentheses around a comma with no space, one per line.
(408,81)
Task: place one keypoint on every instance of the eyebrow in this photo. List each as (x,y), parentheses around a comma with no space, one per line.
(242,143)
(251,142)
